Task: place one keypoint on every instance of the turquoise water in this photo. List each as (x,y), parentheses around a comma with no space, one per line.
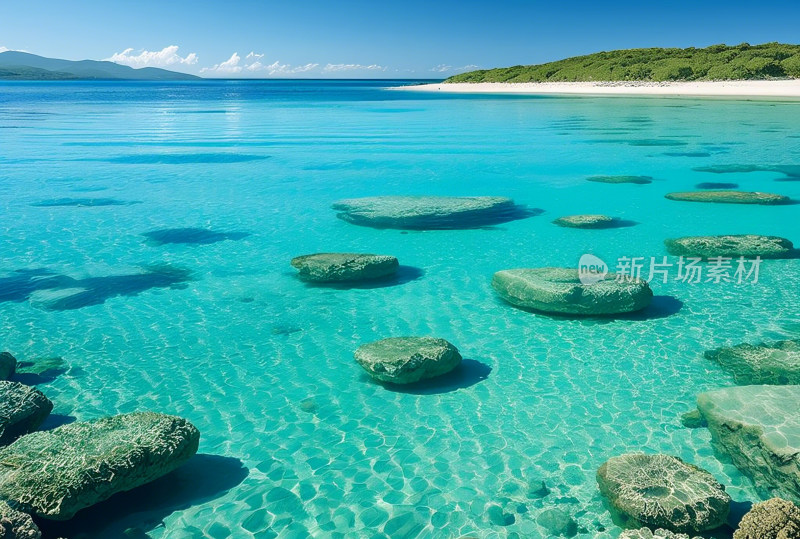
(295,440)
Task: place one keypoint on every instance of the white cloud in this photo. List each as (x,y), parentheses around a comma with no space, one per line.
(165,57)
(330,68)
(303,69)
(231,65)
(253,64)
(444,68)
(277,68)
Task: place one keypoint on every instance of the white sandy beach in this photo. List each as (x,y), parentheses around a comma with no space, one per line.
(757,89)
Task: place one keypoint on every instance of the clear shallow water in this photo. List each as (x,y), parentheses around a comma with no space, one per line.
(304,444)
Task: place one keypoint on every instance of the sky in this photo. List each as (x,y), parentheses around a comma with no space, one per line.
(375,39)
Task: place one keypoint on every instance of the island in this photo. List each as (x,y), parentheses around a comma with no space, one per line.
(767,70)
(17,65)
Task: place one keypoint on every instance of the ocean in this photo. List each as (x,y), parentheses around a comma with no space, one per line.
(146,237)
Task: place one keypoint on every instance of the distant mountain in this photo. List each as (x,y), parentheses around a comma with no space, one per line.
(15,65)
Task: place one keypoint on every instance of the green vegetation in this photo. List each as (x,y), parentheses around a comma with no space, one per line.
(718,62)
(32,73)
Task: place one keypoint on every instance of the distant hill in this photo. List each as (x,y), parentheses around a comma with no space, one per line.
(718,62)
(15,65)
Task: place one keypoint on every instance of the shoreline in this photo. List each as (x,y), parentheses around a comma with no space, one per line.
(756,89)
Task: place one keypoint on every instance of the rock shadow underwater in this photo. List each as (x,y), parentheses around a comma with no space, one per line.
(191,236)
(63,293)
(132,514)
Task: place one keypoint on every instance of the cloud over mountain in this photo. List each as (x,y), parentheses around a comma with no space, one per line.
(168,56)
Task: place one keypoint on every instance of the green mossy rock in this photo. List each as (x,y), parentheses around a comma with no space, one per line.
(729,197)
(8,365)
(584,221)
(57,473)
(560,291)
(16,525)
(662,491)
(404,360)
(425,212)
(343,267)
(773,519)
(776,363)
(746,245)
(640,180)
(758,428)
(22,410)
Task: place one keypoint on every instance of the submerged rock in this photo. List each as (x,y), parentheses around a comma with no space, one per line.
(775,363)
(746,245)
(498,517)
(403,360)
(664,491)
(758,427)
(22,410)
(557,522)
(792,171)
(584,221)
(57,473)
(641,180)
(426,212)
(693,419)
(41,366)
(16,524)
(338,267)
(773,519)
(559,290)
(729,197)
(647,533)
(8,365)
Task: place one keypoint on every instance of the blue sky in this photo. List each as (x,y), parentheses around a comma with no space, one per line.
(355,38)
